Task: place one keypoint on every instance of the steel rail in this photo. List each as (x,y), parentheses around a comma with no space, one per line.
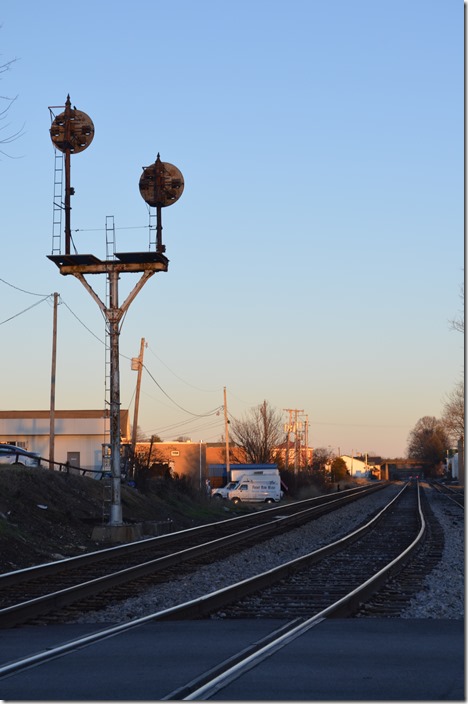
(25,610)
(57,566)
(289,632)
(208,684)
(456,497)
(204,605)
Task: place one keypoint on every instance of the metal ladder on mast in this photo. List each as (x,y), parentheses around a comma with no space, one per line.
(58,203)
(152,228)
(110,252)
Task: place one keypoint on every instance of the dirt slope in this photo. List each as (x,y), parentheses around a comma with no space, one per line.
(45,515)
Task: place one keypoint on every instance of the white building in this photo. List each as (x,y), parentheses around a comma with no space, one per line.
(79,435)
(360,468)
(452,465)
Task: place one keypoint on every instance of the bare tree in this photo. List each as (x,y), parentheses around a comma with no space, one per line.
(142,436)
(322,457)
(428,441)
(259,433)
(458,324)
(7,136)
(453,417)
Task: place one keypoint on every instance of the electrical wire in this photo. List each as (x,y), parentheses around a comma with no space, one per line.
(102,229)
(23,290)
(81,323)
(25,310)
(197,415)
(180,378)
(48,296)
(247,403)
(90,331)
(176,426)
(188,431)
(358,425)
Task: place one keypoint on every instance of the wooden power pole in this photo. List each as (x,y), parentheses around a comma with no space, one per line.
(226,432)
(52,386)
(137,363)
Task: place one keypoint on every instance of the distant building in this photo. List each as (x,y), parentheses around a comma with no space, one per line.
(358,467)
(79,435)
(187,458)
(216,453)
(184,458)
(452,466)
(291,457)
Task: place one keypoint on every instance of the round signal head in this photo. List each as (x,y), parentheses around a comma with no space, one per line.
(72,130)
(161,184)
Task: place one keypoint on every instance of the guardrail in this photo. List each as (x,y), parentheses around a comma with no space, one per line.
(59,466)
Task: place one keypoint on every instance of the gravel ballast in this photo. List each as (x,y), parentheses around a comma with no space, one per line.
(443,591)
(442,595)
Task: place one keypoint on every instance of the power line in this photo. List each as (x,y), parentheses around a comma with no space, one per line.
(181,431)
(197,415)
(247,403)
(81,323)
(360,425)
(186,424)
(90,331)
(25,310)
(24,291)
(180,378)
(102,229)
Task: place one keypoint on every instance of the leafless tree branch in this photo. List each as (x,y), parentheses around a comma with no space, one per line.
(259,433)
(10,136)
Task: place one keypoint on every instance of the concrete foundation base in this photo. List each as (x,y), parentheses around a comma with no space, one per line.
(116,534)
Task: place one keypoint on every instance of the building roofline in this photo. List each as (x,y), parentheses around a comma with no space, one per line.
(58,414)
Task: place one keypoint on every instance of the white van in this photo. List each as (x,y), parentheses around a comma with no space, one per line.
(257,490)
(222,492)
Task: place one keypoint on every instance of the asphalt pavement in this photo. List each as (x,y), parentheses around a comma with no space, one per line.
(337,660)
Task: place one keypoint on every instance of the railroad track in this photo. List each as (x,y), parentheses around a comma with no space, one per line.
(397,592)
(331,575)
(331,581)
(83,582)
(454,494)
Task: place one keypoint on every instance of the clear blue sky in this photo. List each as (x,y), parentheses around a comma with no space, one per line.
(316,254)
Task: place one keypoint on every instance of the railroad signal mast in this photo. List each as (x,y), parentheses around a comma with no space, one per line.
(72,131)
(161,185)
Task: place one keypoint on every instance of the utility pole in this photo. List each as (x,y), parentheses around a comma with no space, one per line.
(292,427)
(289,427)
(306,439)
(226,432)
(137,364)
(52,386)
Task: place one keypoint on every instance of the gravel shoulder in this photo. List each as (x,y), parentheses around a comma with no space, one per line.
(443,592)
(442,595)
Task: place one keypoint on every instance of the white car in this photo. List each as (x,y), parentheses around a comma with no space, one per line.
(11,454)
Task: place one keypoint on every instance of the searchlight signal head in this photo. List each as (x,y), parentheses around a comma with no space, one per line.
(72,130)
(161,184)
